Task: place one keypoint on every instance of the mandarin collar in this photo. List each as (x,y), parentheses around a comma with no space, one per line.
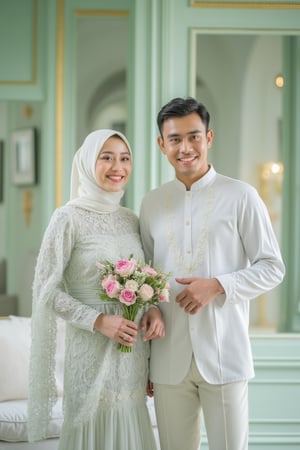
(199,184)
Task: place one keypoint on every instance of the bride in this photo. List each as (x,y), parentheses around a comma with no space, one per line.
(104,389)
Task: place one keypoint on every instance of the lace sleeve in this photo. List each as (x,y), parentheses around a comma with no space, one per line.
(54,256)
(50,300)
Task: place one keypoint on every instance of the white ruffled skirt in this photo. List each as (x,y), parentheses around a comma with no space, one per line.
(127,427)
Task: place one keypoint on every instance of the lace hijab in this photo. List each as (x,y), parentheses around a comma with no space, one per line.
(87,194)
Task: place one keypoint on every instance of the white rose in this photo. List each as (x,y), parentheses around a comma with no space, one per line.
(146,292)
(132,285)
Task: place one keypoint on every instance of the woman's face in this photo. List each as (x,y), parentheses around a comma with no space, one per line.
(113,165)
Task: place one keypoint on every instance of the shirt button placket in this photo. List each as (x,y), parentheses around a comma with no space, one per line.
(188,229)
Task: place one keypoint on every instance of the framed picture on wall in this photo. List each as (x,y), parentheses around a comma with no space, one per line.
(23,157)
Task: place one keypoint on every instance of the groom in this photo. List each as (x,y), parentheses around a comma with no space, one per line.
(213,233)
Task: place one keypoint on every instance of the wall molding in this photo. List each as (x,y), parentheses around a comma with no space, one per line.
(246,4)
(34,65)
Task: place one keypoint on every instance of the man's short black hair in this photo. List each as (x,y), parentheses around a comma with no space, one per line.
(180,107)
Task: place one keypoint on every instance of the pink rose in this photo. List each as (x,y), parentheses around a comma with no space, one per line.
(107,279)
(149,271)
(146,292)
(112,289)
(125,267)
(164,295)
(127,296)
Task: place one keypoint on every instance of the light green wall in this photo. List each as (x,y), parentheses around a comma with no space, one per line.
(159,63)
(18,64)
(159,67)
(36,93)
(22,240)
(22,45)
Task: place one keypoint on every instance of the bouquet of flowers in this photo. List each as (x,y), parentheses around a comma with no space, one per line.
(134,284)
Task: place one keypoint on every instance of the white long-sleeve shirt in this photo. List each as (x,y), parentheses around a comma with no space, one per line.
(219,229)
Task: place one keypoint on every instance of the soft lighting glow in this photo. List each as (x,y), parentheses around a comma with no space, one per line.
(268,170)
(279,81)
(276,168)
(270,187)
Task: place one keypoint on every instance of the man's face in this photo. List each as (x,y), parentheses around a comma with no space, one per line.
(185,143)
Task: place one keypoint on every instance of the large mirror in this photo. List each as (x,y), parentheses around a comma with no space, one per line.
(239,78)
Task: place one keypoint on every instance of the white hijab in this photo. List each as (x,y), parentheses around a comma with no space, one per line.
(85,190)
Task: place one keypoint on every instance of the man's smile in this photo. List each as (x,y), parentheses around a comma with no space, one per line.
(187,159)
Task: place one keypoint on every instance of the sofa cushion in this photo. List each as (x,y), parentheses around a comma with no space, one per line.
(15,342)
(14,357)
(13,421)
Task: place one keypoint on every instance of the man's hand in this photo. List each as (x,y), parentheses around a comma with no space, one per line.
(150,390)
(198,293)
(152,324)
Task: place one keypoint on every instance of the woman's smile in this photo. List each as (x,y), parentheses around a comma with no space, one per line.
(115,178)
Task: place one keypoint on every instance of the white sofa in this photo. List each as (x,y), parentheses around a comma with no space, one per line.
(14,367)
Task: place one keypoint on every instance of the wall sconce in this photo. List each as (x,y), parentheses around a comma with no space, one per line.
(270,189)
(27,111)
(270,186)
(279,81)
(27,206)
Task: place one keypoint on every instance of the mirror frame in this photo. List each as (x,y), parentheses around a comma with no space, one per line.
(289,193)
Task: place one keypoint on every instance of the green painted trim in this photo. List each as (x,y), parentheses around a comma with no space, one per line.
(101,4)
(290,307)
(34,38)
(100,13)
(246,4)
(144,92)
(48,135)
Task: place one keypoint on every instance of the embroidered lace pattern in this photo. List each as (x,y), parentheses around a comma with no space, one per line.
(67,285)
(188,268)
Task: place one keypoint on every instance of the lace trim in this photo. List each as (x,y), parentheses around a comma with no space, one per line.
(42,393)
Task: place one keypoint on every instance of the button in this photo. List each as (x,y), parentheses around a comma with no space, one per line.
(187,222)
(189,252)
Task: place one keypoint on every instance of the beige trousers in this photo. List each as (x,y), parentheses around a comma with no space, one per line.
(225,411)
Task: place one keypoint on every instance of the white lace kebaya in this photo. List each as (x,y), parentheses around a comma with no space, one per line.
(104,389)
